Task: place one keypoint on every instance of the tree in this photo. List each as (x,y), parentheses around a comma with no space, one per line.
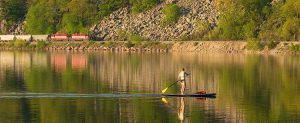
(1,9)
(14,10)
(39,19)
(142,5)
(172,14)
(45,16)
(282,21)
(291,12)
(82,13)
(291,29)
(240,19)
(108,6)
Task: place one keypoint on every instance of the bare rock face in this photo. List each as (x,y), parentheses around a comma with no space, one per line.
(149,24)
(171,1)
(16,29)
(276,1)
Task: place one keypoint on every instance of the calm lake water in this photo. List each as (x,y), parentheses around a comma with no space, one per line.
(95,87)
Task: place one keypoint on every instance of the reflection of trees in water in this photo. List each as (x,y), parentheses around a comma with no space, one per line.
(258,88)
(150,72)
(13,81)
(19,110)
(249,88)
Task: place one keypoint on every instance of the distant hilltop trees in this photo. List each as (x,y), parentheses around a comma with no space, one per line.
(238,19)
(264,19)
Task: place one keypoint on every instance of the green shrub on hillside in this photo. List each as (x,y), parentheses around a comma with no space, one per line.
(212,35)
(185,37)
(291,29)
(135,38)
(250,29)
(142,5)
(295,47)
(19,43)
(271,44)
(253,44)
(149,44)
(203,27)
(41,44)
(121,35)
(110,44)
(172,14)
(90,43)
(106,7)
(129,44)
(31,46)
(11,44)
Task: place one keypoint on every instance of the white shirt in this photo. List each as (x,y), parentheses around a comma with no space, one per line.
(182,75)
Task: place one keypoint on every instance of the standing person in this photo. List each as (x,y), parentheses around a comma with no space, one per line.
(182,78)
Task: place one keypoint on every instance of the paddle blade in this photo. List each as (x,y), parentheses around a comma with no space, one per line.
(164,100)
(163,91)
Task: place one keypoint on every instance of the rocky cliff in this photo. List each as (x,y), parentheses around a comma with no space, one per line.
(16,28)
(149,24)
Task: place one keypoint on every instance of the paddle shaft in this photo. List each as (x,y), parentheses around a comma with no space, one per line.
(169,86)
(173,83)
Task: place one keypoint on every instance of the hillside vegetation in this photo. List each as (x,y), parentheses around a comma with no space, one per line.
(246,19)
(238,19)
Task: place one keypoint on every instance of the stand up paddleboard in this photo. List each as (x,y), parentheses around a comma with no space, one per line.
(208,95)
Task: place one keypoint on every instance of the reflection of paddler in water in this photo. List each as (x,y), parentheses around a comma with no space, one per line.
(181,110)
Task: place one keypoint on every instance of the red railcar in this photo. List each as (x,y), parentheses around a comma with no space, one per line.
(59,37)
(79,37)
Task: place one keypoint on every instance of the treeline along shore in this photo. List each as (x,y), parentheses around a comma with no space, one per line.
(160,20)
(209,47)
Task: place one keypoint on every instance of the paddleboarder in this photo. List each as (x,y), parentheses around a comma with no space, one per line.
(182,78)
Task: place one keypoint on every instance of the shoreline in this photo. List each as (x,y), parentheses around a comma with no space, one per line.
(205,47)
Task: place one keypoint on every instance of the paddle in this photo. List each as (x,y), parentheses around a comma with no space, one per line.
(163,91)
(164,100)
